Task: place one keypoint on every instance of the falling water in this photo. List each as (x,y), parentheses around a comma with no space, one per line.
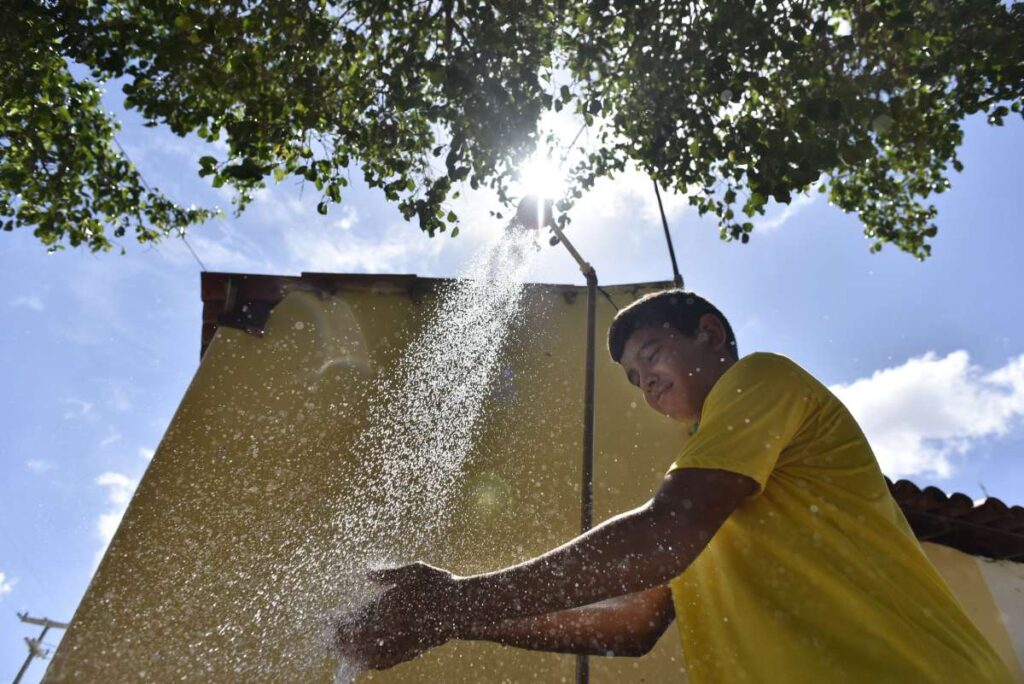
(423,417)
(346,673)
(250,559)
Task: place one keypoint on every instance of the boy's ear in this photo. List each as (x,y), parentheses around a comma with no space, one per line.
(710,330)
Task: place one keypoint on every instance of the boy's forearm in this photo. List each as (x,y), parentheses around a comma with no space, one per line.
(630,552)
(580,631)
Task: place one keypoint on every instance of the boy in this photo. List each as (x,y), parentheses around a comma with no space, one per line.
(773,541)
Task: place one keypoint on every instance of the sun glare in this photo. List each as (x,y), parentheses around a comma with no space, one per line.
(541,176)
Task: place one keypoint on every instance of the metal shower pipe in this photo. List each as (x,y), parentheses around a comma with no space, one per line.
(531,213)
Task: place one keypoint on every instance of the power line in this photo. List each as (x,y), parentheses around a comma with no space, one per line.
(16,547)
(572,144)
(181,229)
(181,234)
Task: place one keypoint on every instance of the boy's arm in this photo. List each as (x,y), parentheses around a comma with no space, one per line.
(631,552)
(628,625)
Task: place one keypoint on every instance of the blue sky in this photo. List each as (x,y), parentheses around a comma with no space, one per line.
(99,348)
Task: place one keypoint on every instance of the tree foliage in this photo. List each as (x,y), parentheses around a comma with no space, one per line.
(60,172)
(733,102)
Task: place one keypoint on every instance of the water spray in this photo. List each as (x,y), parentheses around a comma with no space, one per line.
(535,213)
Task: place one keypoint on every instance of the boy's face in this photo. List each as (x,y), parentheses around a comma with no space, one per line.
(675,372)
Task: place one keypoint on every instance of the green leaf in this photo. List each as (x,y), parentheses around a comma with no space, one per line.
(247,170)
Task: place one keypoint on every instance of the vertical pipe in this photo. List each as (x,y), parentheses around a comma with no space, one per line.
(587,485)
(677,278)
(587,496)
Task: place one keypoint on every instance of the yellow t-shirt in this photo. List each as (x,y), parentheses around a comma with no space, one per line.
(818,577)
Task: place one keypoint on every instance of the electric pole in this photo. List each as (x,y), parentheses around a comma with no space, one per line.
(35,646)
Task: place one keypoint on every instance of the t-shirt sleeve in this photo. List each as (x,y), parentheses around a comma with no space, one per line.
(751,415)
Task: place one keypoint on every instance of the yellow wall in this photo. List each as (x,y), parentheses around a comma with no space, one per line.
(963,574)
(227,560)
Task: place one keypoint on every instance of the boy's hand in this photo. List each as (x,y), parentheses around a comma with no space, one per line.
(419,586)
(411,617)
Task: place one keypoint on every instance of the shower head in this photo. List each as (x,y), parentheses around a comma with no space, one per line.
(532,213)
(535,212)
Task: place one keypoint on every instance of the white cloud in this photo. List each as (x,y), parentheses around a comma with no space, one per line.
(106,526)
(119,396)
(111,438)
(102,311)
(631,192)
(146,454)
(79,408)
(788,211)
(221,244)
(119,488)
(311,242)
(349,217)
(919,415)
(31,302)
(320,251)
(39,466)
(6,585)
(398,248)
(225,252)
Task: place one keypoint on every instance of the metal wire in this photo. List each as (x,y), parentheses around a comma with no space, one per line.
(181,230)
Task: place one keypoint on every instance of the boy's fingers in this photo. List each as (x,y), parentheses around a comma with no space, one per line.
(382,576)
(394,575)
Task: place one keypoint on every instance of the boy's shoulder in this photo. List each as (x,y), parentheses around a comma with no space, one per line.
(769,363)
(770,372)
(776,373)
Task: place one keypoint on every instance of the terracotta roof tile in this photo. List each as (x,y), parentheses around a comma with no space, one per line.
(991,529)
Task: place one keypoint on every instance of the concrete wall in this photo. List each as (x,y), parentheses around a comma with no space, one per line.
(224,565)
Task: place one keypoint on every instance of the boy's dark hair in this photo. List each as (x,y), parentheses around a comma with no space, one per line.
(678,308)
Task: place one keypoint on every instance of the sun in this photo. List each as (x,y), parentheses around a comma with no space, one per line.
(540,175)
